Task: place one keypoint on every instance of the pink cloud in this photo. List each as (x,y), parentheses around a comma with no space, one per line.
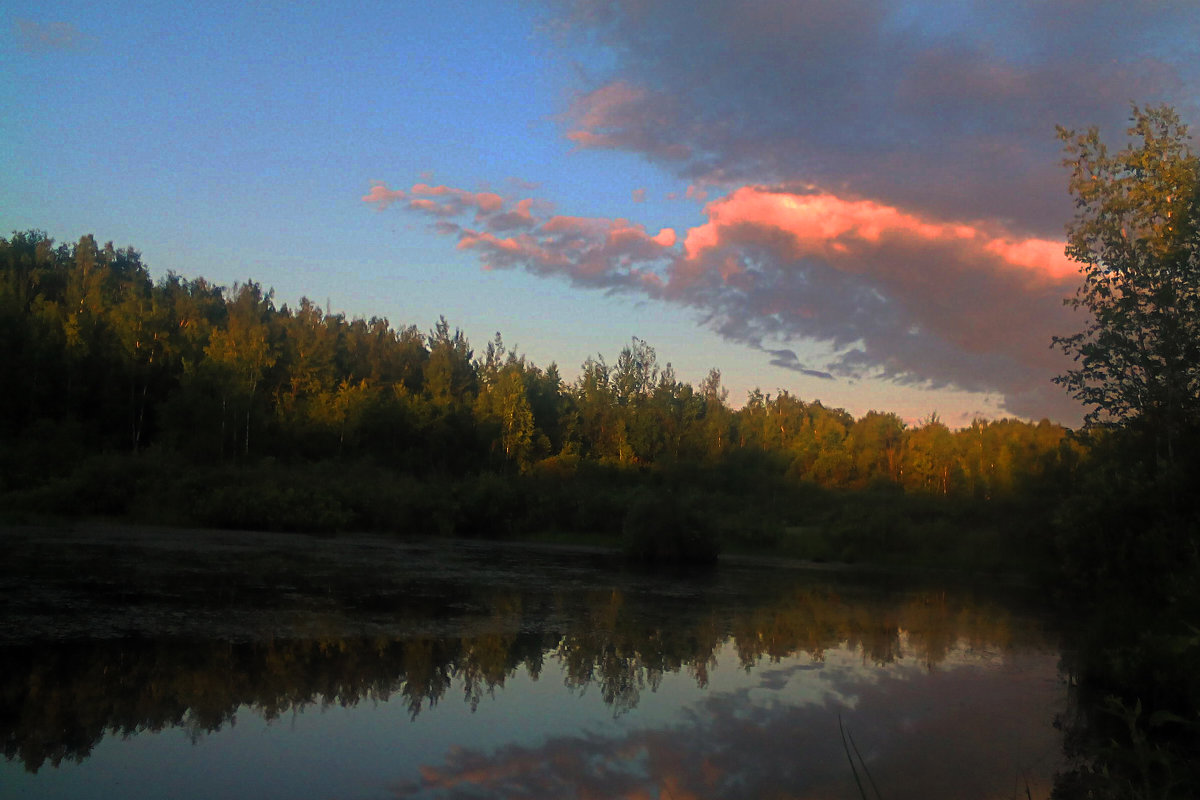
(594,141)
(522,246)
(433,207)
(519,216)
(592,251)
(485,202)
(892,293)
(608,104)
(522,185)
(639,195)
(620,115)
(853,233)
(382,196)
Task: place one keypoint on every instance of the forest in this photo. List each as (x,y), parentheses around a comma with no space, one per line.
(181,401)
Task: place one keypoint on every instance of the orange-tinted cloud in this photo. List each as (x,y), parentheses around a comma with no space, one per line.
(898,294)
(519,216)
(856,232)
(589,251)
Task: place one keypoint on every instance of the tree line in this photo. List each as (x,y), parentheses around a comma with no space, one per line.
(99,352)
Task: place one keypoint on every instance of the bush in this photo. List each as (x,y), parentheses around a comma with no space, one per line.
(384,501)
(102,485)
(661,528)
(264,498)
(489,506)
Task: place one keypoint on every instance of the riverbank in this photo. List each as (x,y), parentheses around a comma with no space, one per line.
(586,505)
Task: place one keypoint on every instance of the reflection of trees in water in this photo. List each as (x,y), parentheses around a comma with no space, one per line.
(58,701)
(931,624)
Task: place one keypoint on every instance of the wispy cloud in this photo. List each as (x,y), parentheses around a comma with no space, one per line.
(787,359)
(44,37)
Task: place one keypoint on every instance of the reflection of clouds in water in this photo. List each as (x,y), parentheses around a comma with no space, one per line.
(964,730)
(777,678)
(841,672)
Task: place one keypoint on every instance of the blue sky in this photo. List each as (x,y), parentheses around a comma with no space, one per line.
(239,141)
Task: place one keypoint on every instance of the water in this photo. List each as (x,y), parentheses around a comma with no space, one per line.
(143,663)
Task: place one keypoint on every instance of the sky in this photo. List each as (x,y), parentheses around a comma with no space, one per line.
(860,201)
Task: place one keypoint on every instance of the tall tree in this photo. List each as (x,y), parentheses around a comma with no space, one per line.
(1136,236)
(243,351)
(142,325)
(449,374)
(718,420)
(511,406)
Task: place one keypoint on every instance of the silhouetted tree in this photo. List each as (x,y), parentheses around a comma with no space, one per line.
(1136,237)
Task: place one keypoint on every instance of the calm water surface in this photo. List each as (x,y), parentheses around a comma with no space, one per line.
(142,663)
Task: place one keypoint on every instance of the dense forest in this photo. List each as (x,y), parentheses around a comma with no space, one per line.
(177,400)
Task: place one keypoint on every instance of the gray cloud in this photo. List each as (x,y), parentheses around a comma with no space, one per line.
(949,110)
(788,359)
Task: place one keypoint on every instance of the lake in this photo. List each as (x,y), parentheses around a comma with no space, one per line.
(197,664)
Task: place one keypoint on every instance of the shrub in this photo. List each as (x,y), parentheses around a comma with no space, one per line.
(266,498)
(662,528)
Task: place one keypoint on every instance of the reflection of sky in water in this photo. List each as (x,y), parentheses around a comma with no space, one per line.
(977,724)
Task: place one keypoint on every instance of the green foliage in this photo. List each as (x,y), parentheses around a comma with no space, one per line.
(1137,239)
